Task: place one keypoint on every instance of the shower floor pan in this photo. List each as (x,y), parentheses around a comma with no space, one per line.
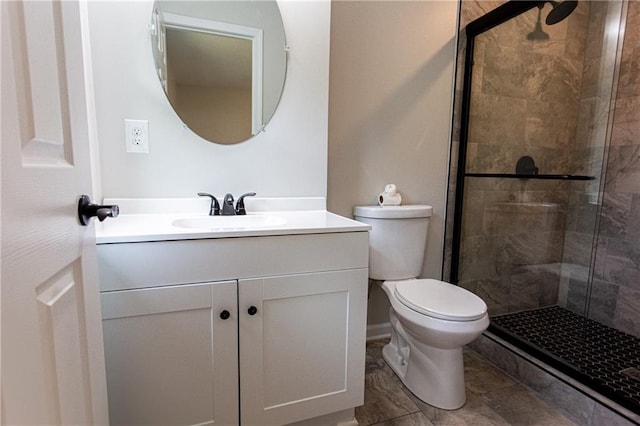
(600,357)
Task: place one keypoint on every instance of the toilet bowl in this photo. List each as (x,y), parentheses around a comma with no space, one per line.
(431,320)
(425,350)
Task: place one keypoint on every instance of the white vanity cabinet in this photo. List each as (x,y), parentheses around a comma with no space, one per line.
(301,354)
(292,347)
(162,346)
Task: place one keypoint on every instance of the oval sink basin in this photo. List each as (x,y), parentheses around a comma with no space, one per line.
(222,223)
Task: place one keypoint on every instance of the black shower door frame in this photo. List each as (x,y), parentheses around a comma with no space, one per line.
(492,19)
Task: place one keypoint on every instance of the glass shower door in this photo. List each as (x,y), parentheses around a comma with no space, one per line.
(534,139)
(535,145)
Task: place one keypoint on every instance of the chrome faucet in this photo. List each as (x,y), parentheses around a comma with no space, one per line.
(214,210)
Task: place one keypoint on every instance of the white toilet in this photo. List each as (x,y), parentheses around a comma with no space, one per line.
(430,320)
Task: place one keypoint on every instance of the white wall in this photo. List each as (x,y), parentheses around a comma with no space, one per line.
(289,159)
(390,102)
(391,85)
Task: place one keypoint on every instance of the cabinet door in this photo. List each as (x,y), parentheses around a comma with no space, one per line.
(171,359)
(302,351)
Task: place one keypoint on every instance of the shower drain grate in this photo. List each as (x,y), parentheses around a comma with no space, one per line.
(591,352)
(632,372)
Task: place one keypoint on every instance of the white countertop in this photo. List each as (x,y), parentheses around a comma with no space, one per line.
(152,220)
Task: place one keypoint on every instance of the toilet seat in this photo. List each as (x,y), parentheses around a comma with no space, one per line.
(440,300)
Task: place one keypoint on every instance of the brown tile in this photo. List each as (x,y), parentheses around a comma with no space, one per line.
(413,419)
(625,133)
(383,399)
(506,70)
(520,406)
(481,376)
(574,404)
(628,310)
(475,412)
(603,416)
(373,359)
(493,398)
(627,109)
(487,123)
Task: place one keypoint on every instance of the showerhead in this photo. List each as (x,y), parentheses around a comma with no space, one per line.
(560,11)
(538,33)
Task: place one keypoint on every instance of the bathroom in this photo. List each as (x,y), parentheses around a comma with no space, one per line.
(367,101)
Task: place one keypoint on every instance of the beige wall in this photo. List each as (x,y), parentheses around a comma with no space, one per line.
(391,84)
(220,114)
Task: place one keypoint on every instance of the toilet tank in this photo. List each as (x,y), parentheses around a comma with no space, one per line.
(397,239)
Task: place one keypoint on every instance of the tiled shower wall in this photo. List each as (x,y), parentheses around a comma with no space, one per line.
(615,294)
(567,211)
(526,101)
(588,153)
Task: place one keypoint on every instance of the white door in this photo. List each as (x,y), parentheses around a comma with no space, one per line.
(52,352)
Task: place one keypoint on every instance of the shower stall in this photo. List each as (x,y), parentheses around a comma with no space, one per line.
(545,184)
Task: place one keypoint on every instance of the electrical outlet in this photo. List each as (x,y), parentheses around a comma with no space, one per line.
(136,134)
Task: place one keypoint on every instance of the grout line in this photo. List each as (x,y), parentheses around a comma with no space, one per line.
(399,417)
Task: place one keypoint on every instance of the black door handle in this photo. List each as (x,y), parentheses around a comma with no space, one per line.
(225,315)
(87,210)
(252,310)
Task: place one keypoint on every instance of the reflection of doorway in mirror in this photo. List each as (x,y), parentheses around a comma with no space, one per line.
(212,74)
(209,82)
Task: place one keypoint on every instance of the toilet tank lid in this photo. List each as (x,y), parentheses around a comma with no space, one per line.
(393,212)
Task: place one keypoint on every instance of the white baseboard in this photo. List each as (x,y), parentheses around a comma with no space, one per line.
(378,331)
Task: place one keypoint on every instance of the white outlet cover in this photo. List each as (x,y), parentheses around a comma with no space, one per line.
(136,136)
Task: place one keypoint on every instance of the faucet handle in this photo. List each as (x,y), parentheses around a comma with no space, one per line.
(240,210)
(214,210)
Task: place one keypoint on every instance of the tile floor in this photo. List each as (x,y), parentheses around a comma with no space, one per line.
(493,398)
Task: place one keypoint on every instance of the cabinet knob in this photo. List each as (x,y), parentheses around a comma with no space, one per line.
(225,314)
(252,310)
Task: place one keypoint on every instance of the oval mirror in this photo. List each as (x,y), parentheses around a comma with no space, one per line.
(222,64)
